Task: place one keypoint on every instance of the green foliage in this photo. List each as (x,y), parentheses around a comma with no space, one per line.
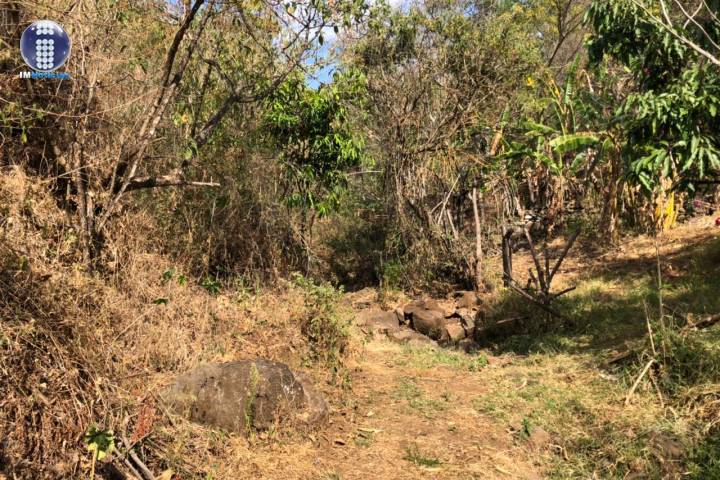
(671,120)
(414,455)
(572,143)
(688,359)
(211,285)
(704,460)
(566,126)
(324,326)
(100,443)
(313,130)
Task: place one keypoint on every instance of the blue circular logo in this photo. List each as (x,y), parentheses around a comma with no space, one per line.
(45,46)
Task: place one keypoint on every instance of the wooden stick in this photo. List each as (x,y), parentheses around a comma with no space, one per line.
(563,254)
(139,463)
(478,242)
(707,322)
(537,302)
(538,267)
(562,292)
(650,333)
(507,257)
(657,389)
(637,381)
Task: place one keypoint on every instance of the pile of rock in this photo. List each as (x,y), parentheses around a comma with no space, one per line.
(448,321)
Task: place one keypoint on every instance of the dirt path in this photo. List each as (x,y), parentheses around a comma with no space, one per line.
(414,417)
(428,412)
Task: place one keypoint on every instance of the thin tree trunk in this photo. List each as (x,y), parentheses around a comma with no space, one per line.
(507,256)
(478,244)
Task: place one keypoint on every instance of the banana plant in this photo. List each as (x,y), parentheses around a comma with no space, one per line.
(564,141)
(557,139)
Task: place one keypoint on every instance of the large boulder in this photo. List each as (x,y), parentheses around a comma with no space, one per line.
(378,321)
(454,331)
(243,395)
(426,317)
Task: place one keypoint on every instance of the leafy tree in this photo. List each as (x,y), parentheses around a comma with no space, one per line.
(440,75)
(317,141)
(671,119)
(315,135)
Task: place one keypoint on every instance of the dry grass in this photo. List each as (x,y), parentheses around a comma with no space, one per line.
(77,349)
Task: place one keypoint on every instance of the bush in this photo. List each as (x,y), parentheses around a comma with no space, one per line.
(323,325)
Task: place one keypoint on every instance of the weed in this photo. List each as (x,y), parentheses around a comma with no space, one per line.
(323,325)
(704,459)
(100,443)
(211,285)
(426,358)
(416,398)
(414,455)
(526,429)
(364,439)
(252,397)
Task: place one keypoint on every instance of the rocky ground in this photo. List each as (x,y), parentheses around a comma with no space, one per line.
(424,400)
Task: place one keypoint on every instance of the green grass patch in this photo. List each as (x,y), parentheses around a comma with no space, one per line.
(427,358)
(414,455)
(417,399)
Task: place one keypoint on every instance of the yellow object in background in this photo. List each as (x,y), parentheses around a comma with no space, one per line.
(665,212)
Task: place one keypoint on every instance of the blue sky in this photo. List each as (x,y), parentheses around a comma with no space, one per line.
(324,74)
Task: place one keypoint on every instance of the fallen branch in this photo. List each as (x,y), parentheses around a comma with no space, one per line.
(706,322)
(562,256)
(513,285)
(146,473)
(637,381)
(173,180)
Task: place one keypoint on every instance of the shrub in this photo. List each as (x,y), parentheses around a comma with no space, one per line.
(323,325)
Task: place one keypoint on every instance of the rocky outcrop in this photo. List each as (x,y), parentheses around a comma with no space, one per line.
(243,395)
(375,320)
(426,317)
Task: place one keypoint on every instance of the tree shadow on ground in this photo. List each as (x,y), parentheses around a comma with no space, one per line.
(611,303)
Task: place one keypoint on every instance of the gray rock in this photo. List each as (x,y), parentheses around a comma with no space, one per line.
(429,322)
(468,319)
(378,321)
(411,337)
(426,317)
(466,299)
(400,314)
(455,332)
(245,394)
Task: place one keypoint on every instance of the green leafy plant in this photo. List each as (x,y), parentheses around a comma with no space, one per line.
(100,443)
(211,285)
(671,118)
(414,455)
(167,275)
(313,130)
(525,428)
(323,325)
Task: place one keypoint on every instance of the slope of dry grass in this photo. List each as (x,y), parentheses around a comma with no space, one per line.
(79,349)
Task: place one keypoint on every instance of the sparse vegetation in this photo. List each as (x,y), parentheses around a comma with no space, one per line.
(414,455)
(422,163)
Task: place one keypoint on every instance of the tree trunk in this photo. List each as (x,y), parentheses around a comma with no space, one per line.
(479,285)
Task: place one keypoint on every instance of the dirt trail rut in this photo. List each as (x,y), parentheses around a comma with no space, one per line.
(414,418)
